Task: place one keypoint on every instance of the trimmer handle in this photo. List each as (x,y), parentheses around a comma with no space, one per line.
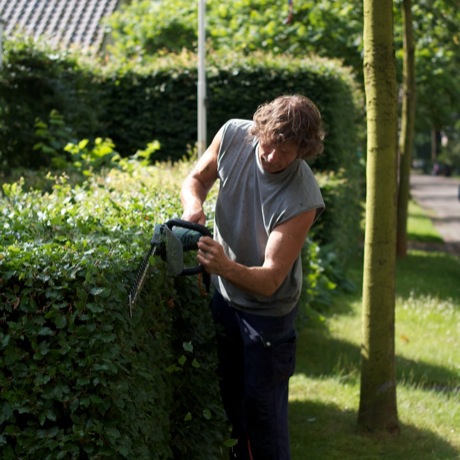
(189,234)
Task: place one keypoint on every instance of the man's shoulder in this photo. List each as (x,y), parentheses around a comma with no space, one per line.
(238,124)
(236,141)
(236,130)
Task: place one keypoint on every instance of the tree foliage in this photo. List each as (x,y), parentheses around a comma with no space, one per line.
(329,28)
(437,57)
(325,27)
(146,27)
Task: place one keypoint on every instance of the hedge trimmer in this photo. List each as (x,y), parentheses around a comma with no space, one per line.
(170,241)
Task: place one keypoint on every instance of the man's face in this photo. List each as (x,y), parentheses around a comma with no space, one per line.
(276,157)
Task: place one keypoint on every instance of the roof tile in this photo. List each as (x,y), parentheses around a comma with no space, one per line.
(64,23)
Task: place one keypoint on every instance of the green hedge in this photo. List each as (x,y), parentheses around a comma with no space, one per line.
(79,377)
(33,82)
(338,229)
(132,106)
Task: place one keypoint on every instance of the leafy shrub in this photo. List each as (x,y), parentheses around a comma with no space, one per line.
(35,80)
(338,229)
(80,378)
(131,104)
(52,139)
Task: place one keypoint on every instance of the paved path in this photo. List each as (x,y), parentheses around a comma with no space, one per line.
(440,196)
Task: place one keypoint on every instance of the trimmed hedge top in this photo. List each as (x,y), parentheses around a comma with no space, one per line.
(80,378)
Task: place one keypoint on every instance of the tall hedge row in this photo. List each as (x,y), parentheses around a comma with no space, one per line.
(133,105)
(79,377)
(33,82)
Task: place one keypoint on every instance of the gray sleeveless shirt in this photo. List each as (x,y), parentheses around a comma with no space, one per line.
(250,204)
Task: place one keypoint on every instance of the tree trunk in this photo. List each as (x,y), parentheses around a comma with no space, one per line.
(377,408)
(435,143)
(406,138)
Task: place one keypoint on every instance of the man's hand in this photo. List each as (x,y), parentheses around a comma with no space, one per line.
(212,256)
(196,216)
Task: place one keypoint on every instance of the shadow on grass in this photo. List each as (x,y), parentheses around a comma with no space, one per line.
(411,236)
(428,273)
(422,272)
(324,432)
(418,274)
(338,358)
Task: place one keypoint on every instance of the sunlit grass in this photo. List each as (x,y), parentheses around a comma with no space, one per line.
(428,329)
(324,392)
(419,225)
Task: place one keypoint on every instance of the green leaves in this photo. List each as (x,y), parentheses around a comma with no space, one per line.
(80,378)
(106,112)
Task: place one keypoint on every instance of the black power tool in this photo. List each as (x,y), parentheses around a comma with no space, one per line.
(170,241)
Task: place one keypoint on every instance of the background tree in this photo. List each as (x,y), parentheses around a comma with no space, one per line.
(377,407)
(329,28)
(145,28)
(437,60)
(407,128)
(324,27)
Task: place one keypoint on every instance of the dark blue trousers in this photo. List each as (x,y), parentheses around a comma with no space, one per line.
(256,358)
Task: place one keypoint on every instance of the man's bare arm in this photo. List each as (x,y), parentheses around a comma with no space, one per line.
(283,247)
(197,184)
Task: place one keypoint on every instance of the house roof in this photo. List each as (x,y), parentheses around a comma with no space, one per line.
(62,23)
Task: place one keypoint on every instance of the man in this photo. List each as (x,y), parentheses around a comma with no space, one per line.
(268,199)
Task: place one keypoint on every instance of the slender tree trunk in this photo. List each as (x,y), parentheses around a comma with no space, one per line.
(406,138)
(435,143)
(377,408)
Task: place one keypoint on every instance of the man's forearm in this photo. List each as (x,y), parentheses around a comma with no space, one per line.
(263,280)
(257,280)
(193,195)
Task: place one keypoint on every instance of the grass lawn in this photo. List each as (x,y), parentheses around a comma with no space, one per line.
(324,392)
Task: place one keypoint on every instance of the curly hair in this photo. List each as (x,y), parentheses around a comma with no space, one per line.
(293,119)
